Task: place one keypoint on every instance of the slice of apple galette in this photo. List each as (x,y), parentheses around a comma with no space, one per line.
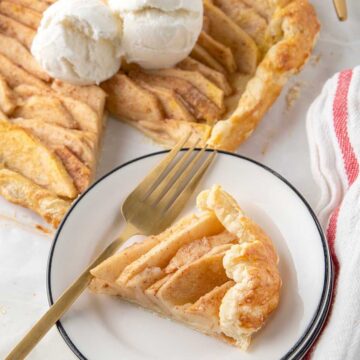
(216,272)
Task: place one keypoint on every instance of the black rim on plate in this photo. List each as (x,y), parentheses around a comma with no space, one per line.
(313,330)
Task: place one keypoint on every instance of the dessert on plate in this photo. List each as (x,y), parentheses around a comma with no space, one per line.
(215,271)
(242,55)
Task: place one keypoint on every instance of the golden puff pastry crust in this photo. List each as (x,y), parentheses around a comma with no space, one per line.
(252,264)
(216,272)
(293,31)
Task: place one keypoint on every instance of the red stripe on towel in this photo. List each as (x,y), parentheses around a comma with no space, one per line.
(340,115)
(331,237)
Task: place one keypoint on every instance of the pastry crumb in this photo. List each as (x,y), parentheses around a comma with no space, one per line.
(315,59)
(3,310)
(267,144)
(42,229)
(265,148)
(293,94)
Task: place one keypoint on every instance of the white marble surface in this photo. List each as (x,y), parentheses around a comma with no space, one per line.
(280,142)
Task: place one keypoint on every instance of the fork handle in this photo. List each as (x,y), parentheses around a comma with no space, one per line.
(59,308)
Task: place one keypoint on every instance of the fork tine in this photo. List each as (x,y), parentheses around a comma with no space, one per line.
(155,175)
(181,182)
(180,201)
(165,184)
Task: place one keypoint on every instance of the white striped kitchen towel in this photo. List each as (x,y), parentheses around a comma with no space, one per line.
(333,125)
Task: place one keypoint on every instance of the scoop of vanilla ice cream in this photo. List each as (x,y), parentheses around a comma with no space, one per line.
(159,33)
(79,41)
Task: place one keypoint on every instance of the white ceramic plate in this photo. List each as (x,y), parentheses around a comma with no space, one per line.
(101,327)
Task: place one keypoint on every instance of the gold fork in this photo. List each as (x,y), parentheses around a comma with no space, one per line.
(341,9)
(148,210)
